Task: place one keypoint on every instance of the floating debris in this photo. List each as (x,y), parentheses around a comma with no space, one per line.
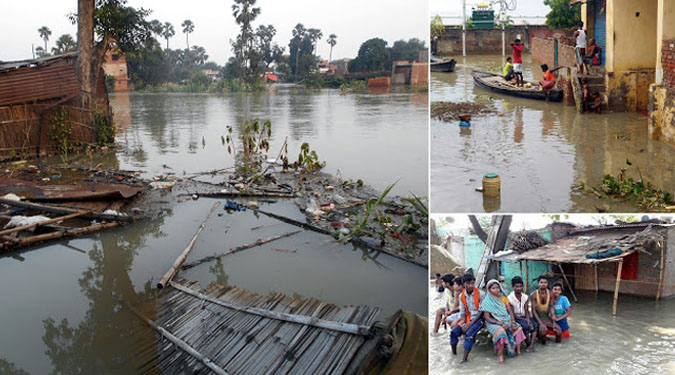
(451,112)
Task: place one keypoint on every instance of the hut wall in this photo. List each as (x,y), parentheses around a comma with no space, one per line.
(584,277)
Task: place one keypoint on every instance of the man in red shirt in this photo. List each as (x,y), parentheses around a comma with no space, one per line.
(518,61)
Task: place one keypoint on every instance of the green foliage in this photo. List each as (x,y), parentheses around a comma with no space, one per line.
(562,15)
(373,56)
(308,160)
(60,132)
(110,83)
(255,138)
(64,44)
(324,81)
(199,82)
(436,27)
(362,222)
(410,50)
(418,204)
(104,127)
(354,87)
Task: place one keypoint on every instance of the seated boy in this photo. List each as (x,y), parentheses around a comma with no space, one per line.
(470,315)
(450,302)
(508,70)
(521,310)
(560,310)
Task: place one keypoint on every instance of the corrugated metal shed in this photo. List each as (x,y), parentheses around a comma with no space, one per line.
(31,81)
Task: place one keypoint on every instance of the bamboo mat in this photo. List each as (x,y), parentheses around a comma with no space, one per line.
(244,343)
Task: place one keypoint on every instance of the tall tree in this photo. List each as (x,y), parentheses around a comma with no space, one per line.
(332,41)
(562,15)
(298,33)
(45,33)
(64,44)
(167,32)
(188,27)
(373,56)
(314,35)
(244,13)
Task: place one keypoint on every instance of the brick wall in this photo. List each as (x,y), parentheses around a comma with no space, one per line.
(543,50)
(419,74)
(490,40)
(668,63)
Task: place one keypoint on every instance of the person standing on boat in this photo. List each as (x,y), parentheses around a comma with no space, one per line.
(548,81)
(580,48)
(470,314)
(517,47)
(508,70)
(521,310)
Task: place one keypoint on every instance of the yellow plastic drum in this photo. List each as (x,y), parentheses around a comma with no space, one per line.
(492,185)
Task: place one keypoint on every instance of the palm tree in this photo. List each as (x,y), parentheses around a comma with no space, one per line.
(244,12)
(314,35)
(299,33)
(64,44)
(167,32)
(199,55)
(188,27)
(44,34)
(332,40)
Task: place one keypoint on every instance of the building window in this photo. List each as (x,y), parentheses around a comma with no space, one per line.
(115,57)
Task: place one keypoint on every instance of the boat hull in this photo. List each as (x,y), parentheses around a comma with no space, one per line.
(480,78)
(444,66)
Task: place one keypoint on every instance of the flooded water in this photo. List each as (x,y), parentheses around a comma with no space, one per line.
(63,309)
(541,151)
(640,339)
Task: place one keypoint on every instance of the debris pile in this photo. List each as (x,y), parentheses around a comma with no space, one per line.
(450,111)
(526,240)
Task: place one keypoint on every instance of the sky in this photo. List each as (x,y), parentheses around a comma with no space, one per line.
(353,21)
(451,10)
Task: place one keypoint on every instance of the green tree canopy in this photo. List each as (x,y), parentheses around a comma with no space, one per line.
(562,15)
(64,44)
(410,50)
(373,56)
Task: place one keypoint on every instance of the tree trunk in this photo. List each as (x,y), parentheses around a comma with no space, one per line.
(477,228)
(297,58)
(85,37)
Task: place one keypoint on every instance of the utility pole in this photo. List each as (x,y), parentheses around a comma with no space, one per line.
(464,28)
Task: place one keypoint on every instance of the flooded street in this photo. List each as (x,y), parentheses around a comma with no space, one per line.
(541,151)
(64,302)
(639,340)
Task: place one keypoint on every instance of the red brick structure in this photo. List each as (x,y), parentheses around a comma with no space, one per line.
(668,64)
(489,40)
(115,65)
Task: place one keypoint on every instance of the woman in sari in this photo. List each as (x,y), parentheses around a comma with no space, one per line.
(506,333)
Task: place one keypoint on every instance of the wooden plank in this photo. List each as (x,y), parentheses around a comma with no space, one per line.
(180,343)
(64,211)
(661,265)
(181,258)
(487,251)
(568,283)
(616,286)
(67,233)
(300,319)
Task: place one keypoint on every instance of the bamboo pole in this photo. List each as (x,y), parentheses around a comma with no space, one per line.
(356,329)
(568,283)
(50,221)
(179,343)
(231,194)
(597,286)
(658,290)
(255,243)
(527,276)
(616,286)
(181,258)
(64,210)
(60,234)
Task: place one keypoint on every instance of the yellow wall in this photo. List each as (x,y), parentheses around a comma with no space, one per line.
(632,39)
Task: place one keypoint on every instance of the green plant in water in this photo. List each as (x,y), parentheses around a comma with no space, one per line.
(104,128)
(60,132)
(308,159)
(362,222)
(356,87)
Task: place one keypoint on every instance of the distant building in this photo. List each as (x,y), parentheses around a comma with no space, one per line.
(115,65)
(415,73)
(340,67)
(212,74)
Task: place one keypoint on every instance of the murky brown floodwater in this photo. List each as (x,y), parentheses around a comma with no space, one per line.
(541,151)
(62,307)
(639,340)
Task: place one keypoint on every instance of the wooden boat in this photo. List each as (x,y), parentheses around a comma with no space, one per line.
(496,83)
(442,65)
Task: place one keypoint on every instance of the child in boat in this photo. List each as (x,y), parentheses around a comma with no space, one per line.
(450,302)
(521,310)
(471,317)
(548,81)
(507,334)
(508,70)
(517,47)
(560,310)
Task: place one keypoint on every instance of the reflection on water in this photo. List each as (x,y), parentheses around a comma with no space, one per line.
(377,137)
(541,151)
(63,308)
(639,340)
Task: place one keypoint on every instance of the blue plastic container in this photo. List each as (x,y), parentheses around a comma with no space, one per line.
(464,123)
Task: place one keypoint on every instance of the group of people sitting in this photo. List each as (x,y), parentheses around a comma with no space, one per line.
(512,320)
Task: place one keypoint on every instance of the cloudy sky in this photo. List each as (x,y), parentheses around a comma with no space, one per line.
(353,21)
(451,10)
